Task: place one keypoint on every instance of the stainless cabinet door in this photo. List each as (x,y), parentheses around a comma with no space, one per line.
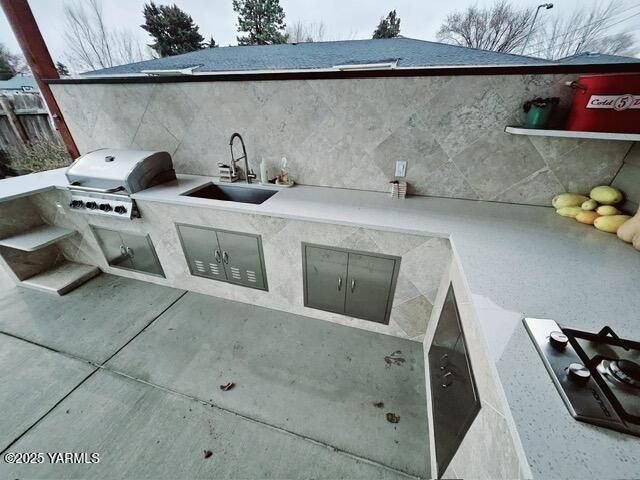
(201,249)
(142,253)
(242,259)
(112,247)
(453,393)
(325,278)
(369,283)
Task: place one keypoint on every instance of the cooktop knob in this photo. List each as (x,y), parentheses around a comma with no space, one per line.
(579,373)
(105,207)
(92,205)
(558,340)
(120,209)
(76,204)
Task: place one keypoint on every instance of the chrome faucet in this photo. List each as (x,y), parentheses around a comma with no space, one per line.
(249,175)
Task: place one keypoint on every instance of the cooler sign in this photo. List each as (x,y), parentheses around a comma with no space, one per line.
(618,103)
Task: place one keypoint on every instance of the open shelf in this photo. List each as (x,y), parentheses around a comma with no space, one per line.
(540,132)
(37,238)
(61,279)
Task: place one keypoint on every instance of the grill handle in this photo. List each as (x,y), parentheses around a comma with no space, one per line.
(73,186)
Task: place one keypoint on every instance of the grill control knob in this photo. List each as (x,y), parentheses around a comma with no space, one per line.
(579,373)
(76,204)
(558,340)
(92,205)
(105,207)
(120,209)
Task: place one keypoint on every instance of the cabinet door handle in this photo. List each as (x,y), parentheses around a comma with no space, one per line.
(353,284)
(217,256)
(444,361)
(225,257)
(339,283)
(447,379)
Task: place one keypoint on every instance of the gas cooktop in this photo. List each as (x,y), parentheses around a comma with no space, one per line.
(597,374)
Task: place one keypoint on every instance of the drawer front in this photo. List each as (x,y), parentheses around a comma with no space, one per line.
(325,278)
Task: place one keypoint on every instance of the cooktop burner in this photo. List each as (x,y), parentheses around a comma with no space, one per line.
(624,371)
(596,374)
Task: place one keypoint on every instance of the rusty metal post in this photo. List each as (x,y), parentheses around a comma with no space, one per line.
(36,53)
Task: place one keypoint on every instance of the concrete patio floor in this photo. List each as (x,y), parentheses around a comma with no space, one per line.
(132,370)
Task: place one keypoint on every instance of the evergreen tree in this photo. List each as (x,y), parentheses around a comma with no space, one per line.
(211,43)
(262,20)
(10,64)
(63,71)
(6,70)
(173,30)
(388,27)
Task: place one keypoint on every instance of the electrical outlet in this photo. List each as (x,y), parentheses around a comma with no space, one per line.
(401,168)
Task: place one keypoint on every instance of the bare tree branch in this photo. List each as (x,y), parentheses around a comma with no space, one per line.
(306,32)
(91,45)
(501,28)
(584,31)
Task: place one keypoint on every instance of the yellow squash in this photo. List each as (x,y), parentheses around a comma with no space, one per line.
(571,212)
(568,200)
(610,223)
(606,195)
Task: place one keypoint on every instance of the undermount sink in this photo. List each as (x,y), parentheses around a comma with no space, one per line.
(232,193)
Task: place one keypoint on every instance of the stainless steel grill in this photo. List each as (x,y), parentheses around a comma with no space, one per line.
(102,182)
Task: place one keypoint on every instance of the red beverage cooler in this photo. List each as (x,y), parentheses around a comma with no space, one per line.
(606,103)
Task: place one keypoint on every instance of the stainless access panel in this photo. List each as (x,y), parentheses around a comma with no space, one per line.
(454,396)
(130,251)
(242,258)
(355,283)
(325,278)
(369,287)
(200,247)
(141,252)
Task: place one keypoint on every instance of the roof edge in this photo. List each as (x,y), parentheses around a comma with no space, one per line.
(329,74)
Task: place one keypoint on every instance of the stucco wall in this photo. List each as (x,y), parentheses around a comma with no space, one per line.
(349,133)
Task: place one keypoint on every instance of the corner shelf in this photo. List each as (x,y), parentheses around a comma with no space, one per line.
(37,238)
(540,132)
(62,278)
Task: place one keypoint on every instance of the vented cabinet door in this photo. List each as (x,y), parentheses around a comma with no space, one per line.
(369,286)
(242,259)
(325,278)
(200,246)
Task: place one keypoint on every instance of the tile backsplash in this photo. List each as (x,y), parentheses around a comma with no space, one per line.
(349,133)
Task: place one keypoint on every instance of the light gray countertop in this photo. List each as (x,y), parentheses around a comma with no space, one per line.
(25,185)
(516,258)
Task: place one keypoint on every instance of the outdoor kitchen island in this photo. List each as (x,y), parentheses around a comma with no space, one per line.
(508,261)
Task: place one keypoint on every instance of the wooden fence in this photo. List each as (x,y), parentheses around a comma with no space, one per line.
(23,119)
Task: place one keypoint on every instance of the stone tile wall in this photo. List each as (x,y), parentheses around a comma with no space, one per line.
(424,259)
(349,133)
(628,179)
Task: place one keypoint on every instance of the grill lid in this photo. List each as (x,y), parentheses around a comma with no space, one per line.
(109,169)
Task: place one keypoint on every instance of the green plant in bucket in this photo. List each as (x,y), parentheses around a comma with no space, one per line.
(538,111)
